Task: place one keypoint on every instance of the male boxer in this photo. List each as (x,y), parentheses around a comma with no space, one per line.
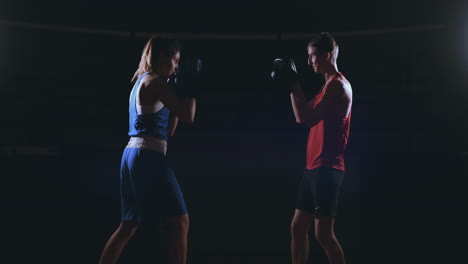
(328,116)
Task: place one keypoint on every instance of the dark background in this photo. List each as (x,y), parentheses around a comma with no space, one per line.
(64,97)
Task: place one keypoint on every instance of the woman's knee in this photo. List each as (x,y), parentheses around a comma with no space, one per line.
(128,228)
(180,222)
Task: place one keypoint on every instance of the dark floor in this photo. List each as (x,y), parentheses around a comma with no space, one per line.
(238,215)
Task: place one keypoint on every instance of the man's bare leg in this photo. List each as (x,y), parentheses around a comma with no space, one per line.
(300,227)
(325,234)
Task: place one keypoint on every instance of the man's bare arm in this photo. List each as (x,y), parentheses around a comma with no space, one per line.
(306,113)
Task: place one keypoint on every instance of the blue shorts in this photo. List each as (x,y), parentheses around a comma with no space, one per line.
(148,186)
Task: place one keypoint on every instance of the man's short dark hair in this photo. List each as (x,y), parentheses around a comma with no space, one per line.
(324,42)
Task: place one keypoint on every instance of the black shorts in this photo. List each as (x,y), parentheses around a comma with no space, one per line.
(318,192)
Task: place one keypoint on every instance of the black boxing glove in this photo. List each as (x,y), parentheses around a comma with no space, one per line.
(186,81)
(284,73)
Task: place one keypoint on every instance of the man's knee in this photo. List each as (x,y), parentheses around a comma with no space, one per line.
(325,238)
(299,230)
(301,224)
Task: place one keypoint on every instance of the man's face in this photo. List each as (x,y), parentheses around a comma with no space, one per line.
(315,60)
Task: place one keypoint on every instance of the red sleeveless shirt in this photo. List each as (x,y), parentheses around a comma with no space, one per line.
(328,138)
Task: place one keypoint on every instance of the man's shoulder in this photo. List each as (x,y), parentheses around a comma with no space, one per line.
(342,83)
(340,87)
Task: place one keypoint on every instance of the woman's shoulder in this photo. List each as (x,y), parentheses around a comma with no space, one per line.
(151,79)
(149,76)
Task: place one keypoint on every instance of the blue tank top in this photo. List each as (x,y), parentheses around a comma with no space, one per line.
(154,124)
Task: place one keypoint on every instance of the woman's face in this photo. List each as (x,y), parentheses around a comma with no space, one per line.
(167,65)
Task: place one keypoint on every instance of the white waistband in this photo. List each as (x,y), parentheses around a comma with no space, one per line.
(148,142)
